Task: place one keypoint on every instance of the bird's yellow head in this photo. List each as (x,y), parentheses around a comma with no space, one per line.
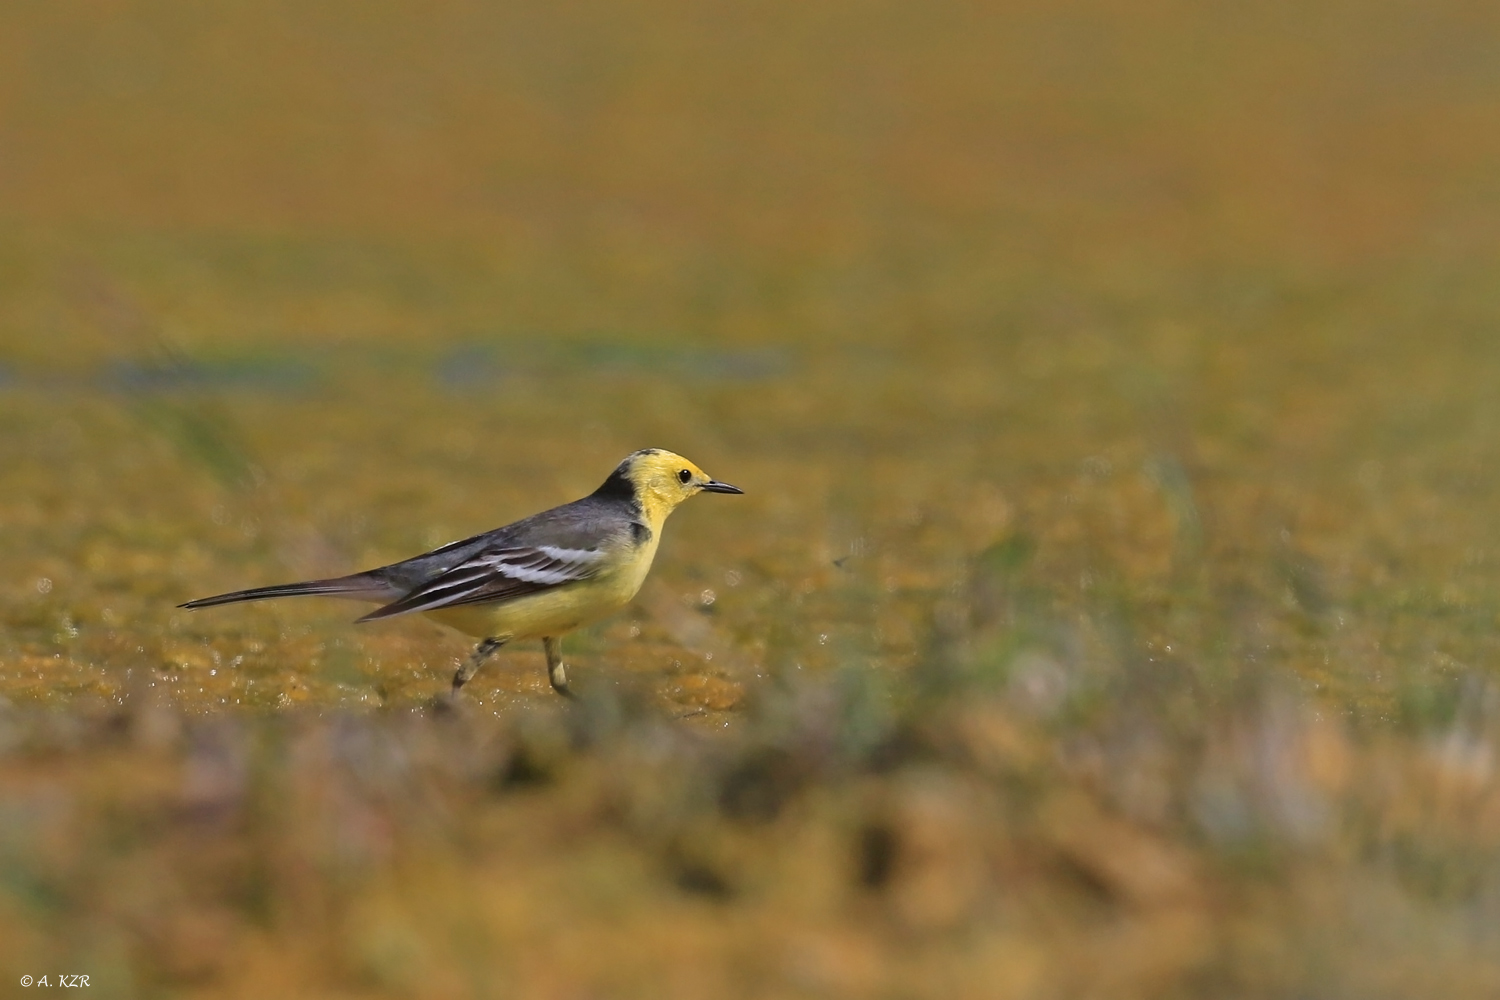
(660,480)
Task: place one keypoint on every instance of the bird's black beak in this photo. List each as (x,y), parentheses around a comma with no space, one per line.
(714,486)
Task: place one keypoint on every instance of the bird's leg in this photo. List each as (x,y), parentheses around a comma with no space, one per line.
(557,671)
(482,652)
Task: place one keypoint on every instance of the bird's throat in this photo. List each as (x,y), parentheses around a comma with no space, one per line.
(654,509)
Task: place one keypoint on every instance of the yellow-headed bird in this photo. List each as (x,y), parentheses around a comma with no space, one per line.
(535,579)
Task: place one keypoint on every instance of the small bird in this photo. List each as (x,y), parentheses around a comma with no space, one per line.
(538,578)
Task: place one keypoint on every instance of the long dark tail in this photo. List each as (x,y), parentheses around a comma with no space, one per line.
(359,586)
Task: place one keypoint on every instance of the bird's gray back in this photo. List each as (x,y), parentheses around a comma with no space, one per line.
(591,523)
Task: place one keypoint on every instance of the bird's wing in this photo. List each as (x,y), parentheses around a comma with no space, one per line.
(492,575)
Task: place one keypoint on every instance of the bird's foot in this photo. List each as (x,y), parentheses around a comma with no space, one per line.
(557,670)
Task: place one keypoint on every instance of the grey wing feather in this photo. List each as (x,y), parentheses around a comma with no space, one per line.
(494,575)
(557,547)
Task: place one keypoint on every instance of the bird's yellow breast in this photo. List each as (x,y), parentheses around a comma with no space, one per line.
(559,609)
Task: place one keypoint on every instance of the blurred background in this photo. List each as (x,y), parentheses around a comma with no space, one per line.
(1111,611)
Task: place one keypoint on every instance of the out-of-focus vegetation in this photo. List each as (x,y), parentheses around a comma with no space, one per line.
(1112,610)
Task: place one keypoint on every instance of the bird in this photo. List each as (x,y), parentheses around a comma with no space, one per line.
(537,578)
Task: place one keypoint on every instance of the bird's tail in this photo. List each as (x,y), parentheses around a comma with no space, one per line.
(359,586)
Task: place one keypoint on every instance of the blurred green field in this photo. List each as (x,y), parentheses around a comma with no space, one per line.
(1112,611)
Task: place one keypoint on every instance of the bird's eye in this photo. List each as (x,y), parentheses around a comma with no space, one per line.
(684,476)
